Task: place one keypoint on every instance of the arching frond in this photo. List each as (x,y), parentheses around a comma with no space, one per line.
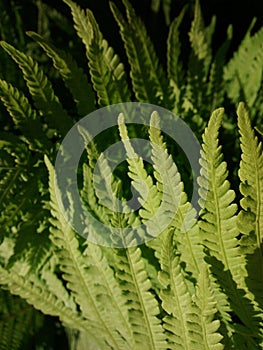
(41,90)
(73,76)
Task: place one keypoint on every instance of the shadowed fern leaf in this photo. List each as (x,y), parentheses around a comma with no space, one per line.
(251,217)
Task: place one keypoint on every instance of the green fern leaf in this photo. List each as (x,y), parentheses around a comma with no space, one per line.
(174,66)
(166,6)
(143,313)
(18,184)
(251,177)
(218,212)
(143,307)
(73,76)
(148,78)
(204,323)
(36,294)
(90,292)
(24,117)
(41,90)
(251,216)
(142,183)
(176,300)
(218,223)
(243,73)
(176,209)
(200,37)
(107,72)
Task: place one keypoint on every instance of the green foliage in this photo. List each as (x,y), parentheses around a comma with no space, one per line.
(197,281)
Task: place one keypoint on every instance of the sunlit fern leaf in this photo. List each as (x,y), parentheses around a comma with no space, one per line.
(243,73)
(251,217)
(114,309)
(148,77)
(142,305)
(19,321)
(82,24)
(251,176)
(178,212)
(97,191)
(149,197)
(203,321)
(36,294)
(41,90)
(218,222)
(79,270)
(218,212)
(176,300)
(24,117)
(143,309)
(107,72)
(73,76)
(54,283)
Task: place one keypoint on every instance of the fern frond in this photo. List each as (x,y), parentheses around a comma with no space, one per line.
(41,90)
(82,24)
(218,220)
(107,72)
(110,295)
(174,66)
(176,300)
(203,321)
(97,192)
(78,271)
(251,217)
(178,212)
(37,295)
(251,176)
(24,117)
(142,183)
(201,36)
(150,83)
(143,307)
(18,185)
(218,223)
(243,73)
(73,76)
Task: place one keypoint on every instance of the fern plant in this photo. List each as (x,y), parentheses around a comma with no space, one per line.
(198,284)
